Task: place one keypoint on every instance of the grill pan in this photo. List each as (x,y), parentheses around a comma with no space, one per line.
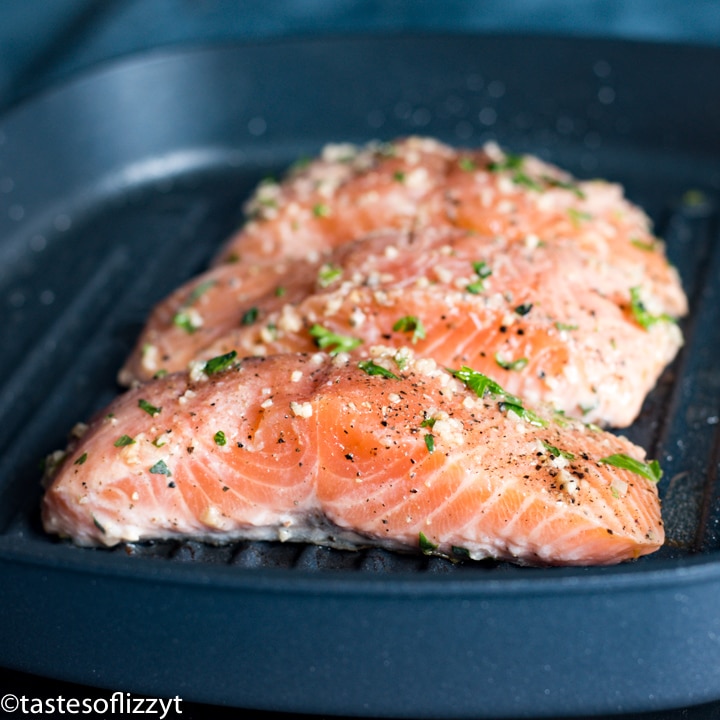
(120,185)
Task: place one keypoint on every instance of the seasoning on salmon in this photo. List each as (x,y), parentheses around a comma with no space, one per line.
(391,451)
(553,322)
(419,182)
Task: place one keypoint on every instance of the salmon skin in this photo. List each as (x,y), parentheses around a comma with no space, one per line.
(552,322)
(391,451)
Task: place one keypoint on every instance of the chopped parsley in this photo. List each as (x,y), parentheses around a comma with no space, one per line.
(148,408)
(565,326)
(518,364)
(81,460)
(280,291)
(647,245)
(372,368)
(249,316)
(219,363)
(332,342)
(220,438)
(556,452)
(520,178)
(482,385)
(426,547)
(124,440)
(577,216)
(97,524)
(198,292)
(523,309)
(430,442)
(190,321)
(399,176)
(483,271)
(640,312)
(556,183)
(328,274)
(514,164)
(651,470)
(467,164)
(428,422)
(321,210)
(160,468)
(413,324)
(510,162)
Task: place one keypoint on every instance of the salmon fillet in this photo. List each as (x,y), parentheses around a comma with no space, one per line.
(392,451)
(417,182)
(552,322)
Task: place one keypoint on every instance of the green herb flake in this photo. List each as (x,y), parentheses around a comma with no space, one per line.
(187,321)
(97,524)
(160,468)
(562,184)
(520,178)
(430,442)
(321,210)
(399,176)
(483,271)
(328,274)
(220,363)
(332,342)
(565,326)
(426,547)
(372,368)
(647,245)
(578,216)
(159,441)
(482,385)
(510,162)
(198,292)
(220,438)
(123,441)
(148,408)
(556,452)
(81,460)
(413,324)
(280,291)
(650,470)
(160,374)
(523,309)
(467,164)
(515,365)
(640,312)
(249,316)
(428,422)
(523,413)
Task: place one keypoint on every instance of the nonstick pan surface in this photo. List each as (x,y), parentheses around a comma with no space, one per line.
(117,187)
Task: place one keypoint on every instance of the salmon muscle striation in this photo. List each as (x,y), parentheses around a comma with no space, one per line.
(551,323)
(391,451)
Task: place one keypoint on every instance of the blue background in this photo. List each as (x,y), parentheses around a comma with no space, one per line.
(43,41)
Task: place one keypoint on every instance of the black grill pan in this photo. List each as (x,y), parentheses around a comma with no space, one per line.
(118,186)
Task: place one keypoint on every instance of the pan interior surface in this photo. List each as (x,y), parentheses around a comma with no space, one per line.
(119,186)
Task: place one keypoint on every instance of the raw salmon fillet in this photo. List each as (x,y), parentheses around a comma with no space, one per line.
(392,451)
(552,322)
(417,182)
